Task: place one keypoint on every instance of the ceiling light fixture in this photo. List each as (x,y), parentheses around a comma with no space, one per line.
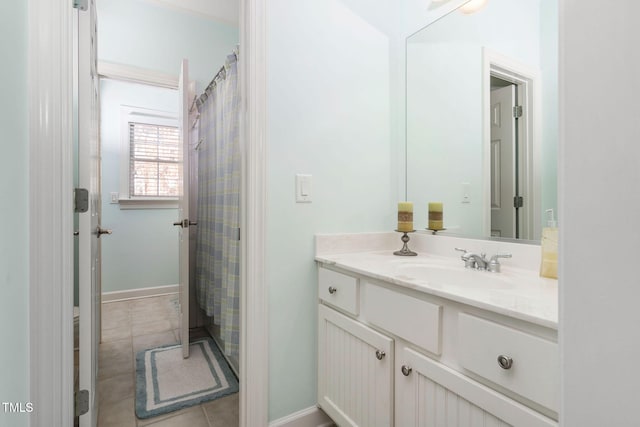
(472,6)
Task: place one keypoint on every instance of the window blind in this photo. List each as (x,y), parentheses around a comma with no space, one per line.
(154,160)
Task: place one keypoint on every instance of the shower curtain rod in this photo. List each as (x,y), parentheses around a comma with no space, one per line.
(202,98)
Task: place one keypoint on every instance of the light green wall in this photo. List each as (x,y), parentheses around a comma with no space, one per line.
(143,249)
(329,115)
(14,188)
(550,130)
(142,34)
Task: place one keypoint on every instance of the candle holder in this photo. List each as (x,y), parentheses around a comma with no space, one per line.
(405,251)
(435,230)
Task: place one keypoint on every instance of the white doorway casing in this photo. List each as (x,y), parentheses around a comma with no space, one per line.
(51,214)
(254,293)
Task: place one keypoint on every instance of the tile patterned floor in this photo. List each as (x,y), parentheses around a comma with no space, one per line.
(134,325)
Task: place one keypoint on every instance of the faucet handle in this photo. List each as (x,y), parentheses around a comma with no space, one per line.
(494,264)
(468,262)
(461,250)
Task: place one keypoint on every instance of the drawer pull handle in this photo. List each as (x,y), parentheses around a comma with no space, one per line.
(406,370)
(505,362)
(332,290)
(380,354)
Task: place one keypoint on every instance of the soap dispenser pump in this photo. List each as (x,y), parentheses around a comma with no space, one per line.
(549,262)
(551,221)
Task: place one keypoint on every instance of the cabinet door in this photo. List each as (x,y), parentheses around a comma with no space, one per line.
(429,394)
(355,368)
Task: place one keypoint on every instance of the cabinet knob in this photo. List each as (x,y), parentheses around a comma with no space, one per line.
(505,362)
(380,354)
(332,290)
(406,370)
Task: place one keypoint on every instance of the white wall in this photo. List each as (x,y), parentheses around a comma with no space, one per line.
(143,249)
(14,188)
(600,204)
(329,94)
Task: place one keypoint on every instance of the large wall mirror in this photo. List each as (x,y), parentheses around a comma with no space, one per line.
(482,119)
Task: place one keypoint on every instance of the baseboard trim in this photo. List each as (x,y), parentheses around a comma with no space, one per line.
(310,417)
(139,293)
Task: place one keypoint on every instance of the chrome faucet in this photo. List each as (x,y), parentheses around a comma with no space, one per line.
(480,262)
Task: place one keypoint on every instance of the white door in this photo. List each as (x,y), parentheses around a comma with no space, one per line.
(183,206)
(89,222)
(503,164)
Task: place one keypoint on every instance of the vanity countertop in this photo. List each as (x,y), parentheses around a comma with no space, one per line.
(533,299)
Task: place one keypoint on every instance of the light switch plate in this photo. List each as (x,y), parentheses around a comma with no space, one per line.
(303,188)
(466,188)
(115,197)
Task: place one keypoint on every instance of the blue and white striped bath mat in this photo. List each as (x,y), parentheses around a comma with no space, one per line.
(165,382)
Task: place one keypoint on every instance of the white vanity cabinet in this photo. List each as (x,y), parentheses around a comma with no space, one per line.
(389,356)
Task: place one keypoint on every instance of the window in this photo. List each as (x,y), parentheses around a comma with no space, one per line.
(151,159)
(154,166)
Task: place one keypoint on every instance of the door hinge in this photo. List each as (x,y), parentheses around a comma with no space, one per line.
(81,200)
(518,202)
(81,4)
(82,402)
(517,111)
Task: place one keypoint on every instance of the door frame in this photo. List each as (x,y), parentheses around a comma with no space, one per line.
(505,186)
(50,110)
(527,79)
(254,290)
(50,80)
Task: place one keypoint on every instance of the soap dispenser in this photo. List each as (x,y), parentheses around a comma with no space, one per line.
(549,263)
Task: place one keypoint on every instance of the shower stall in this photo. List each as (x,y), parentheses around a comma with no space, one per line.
(214,184)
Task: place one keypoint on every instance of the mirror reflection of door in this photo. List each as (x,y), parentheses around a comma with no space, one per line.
(504,159)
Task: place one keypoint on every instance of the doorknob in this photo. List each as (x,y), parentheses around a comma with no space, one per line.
(100,231)
(185,223)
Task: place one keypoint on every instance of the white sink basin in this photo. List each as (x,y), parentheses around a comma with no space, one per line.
(447,276)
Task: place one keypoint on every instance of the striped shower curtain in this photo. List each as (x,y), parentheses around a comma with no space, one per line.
(217,241)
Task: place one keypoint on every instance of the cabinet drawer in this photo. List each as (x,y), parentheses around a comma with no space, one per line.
(413,319)
(534,371)
(338,289)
